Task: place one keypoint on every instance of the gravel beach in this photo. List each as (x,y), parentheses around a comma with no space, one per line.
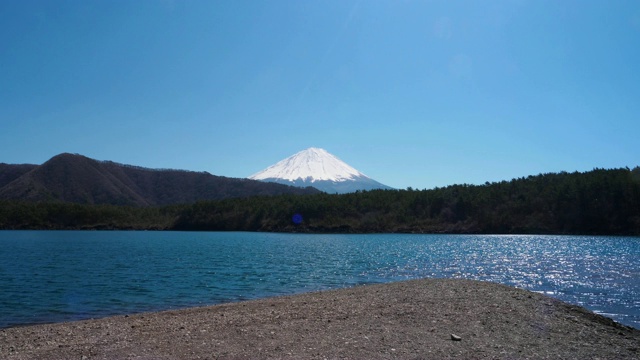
(417,319)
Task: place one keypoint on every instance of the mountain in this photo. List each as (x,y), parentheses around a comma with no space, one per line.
(318,168)
(10,172)
(79,179)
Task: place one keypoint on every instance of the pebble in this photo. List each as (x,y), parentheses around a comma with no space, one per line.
(455,337)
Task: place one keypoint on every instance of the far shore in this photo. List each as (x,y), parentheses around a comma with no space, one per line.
(417,319)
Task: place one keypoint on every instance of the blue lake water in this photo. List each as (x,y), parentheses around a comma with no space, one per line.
(52,276)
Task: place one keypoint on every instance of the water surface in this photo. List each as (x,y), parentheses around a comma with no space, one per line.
(51,276)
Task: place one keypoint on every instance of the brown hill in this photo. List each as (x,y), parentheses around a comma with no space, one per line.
(10,172)
(79,179)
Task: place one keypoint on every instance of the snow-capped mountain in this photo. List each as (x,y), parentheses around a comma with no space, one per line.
(318,168)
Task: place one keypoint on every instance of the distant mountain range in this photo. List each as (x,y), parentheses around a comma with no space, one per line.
(79,179)
(318,168)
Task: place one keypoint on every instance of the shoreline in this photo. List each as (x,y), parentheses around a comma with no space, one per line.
(407,319)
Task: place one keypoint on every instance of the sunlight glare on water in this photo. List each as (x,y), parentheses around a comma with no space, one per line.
(58,276)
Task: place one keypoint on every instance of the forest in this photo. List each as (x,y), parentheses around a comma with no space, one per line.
(601,201)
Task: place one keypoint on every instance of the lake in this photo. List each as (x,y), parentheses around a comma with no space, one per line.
(53,276)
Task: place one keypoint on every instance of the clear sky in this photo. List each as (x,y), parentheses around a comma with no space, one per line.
(411,93)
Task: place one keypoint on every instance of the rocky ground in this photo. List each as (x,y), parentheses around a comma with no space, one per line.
(420,319)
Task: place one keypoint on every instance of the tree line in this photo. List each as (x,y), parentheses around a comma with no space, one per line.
(21,215)
(596,202)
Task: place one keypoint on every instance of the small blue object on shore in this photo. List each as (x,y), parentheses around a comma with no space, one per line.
(297,219)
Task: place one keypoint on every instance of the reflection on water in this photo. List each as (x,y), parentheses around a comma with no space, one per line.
(56,276)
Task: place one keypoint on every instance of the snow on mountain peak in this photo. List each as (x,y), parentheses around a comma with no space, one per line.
(312,164)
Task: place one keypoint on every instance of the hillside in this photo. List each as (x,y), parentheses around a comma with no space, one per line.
(602,202)
(10,172)
(78,179)
(596,202)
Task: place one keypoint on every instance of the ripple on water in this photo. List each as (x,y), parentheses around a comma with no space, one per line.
(57,276)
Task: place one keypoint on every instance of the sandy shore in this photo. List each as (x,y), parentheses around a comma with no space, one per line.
(404,320)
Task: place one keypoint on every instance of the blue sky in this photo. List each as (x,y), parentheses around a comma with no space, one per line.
(412,93)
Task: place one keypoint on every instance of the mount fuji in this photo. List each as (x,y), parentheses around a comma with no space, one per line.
(318,168)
